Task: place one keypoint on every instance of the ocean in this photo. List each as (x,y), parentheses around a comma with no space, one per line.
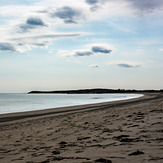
(19,102)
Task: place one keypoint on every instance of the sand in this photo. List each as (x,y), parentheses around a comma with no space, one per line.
(113,132)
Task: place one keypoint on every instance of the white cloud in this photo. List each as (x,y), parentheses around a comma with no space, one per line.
(160,50)
(91,50)
(36,19)
(76,53)
(65,53)
(51,52)
(27,42)
(94,66)
(38,27)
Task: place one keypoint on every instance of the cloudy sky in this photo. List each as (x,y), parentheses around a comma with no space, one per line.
(72,44)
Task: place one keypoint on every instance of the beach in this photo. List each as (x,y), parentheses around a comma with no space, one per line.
(110,132)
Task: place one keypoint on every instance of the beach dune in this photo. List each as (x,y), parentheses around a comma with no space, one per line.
(110,132)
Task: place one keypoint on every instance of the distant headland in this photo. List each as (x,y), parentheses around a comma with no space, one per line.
(96,91)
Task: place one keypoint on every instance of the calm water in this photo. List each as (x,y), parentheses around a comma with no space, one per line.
(17,102)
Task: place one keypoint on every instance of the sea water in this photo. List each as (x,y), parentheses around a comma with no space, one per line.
(19,102)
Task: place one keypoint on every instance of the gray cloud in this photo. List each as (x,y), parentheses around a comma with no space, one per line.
(35,21)
(140,4)
(26,45)
(25,27)
(98,49)
(146,5)
(92,2)
(32,23)
(42,44)
(42,11)
(126,65)
(69,21)
(7,47)
(95,4)
(68,14)
(83,53)
(92,51)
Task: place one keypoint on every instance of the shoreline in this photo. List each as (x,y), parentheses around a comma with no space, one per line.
(121,131)
(68,109)
(63,101)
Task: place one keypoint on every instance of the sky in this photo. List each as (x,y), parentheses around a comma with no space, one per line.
(78,44)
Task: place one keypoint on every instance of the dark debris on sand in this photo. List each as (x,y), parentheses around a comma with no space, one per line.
(136,153)
(102,160)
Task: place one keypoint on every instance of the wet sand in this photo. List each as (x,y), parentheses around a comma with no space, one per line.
(117,132)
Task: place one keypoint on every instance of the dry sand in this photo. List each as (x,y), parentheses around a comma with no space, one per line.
(117,132)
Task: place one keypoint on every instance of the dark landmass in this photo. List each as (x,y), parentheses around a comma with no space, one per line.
(97,91)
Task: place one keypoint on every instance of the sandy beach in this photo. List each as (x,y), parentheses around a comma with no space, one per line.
(112,132)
